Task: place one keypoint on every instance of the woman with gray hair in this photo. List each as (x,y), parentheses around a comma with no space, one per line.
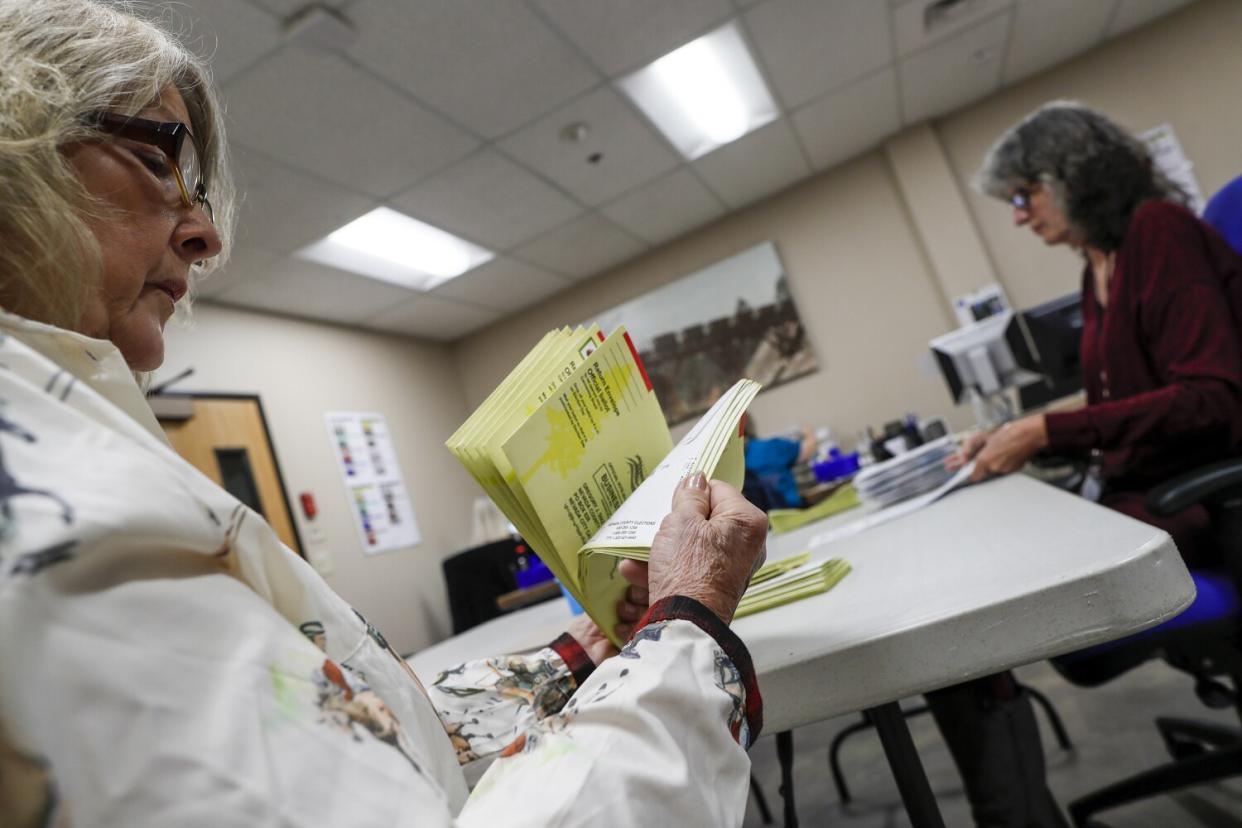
(1162,367)
(1161,304)
(165,660)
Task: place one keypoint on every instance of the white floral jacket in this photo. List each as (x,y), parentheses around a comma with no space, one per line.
(164,660)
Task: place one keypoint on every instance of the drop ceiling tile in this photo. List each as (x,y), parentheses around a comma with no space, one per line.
(955,71)
(761,163)
(302,288)
(321,114)
(229,34)
(666,208)
(622,36)
(813,46)
(284,8)
(427,317)
(631,151)
(490,200)
(281,210)
(843,124)
(581,248)
(489,66)
(1047,32)
(909,27)
(1134,13)
(502,284)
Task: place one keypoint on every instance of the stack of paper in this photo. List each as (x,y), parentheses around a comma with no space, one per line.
(790,580)
(573,448)
(906,475)
(786,520)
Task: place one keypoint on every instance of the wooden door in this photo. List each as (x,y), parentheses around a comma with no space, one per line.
(226,438)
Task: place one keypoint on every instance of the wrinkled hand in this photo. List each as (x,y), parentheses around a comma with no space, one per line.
(629,610)
(967,451)
(1009,447)
(708,546)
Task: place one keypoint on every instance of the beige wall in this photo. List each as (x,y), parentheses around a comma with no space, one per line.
(856,271)
(1184,69)
(301,370)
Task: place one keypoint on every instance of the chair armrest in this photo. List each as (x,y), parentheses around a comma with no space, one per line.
(1195,486)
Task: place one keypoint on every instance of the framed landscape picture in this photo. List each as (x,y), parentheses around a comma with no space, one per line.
(699,334)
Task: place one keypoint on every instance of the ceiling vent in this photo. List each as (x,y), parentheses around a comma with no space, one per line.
(919,23)
(940,14)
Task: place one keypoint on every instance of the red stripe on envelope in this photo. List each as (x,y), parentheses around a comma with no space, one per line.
(641,368)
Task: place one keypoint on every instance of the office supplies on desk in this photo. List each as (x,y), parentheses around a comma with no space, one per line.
(836,466)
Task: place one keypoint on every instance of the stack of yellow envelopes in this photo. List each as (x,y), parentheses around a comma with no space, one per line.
(786,520)
(789,580)
(572,446)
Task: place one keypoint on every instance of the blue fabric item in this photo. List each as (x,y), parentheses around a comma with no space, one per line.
(1224,212)
(1216,601)
(574,607)
(772,460)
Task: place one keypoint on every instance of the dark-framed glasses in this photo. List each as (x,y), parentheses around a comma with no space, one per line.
(175,141)
(1021,198)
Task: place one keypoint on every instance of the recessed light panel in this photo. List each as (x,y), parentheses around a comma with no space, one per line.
(705,94)
(387,245)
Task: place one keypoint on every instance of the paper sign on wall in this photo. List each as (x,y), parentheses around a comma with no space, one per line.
(1168,156)
(377,493)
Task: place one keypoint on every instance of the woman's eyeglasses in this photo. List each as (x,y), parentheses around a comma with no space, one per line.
(175,141)
(1021,199)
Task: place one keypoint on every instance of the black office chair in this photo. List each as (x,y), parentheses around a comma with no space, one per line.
(1204,641)
(475,578)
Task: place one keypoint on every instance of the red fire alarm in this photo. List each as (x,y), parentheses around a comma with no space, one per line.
(308,505)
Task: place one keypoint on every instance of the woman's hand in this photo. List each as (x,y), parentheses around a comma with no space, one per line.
(629,610)
(966,452)
(708,546)
(1007,449)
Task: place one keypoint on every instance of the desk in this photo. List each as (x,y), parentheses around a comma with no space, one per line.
(994,576)
(526,596)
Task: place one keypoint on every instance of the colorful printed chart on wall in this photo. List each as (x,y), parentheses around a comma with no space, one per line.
(1169,157)
(700,334)
(377,494)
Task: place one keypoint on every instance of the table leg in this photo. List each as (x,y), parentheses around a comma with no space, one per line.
(784,755)
(916,794)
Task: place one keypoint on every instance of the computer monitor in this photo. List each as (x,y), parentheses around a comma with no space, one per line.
(1055,330)
(986,357)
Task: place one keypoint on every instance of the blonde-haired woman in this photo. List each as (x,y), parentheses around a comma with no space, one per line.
(164,659)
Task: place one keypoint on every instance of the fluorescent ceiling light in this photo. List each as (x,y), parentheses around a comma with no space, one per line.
(704,94)
(393,247)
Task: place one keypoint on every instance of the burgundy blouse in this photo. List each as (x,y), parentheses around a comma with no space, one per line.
(1162,364)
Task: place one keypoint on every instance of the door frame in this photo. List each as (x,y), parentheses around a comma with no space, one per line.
(267,434)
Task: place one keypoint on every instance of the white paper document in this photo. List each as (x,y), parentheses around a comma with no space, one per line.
(878,518)
(636,522)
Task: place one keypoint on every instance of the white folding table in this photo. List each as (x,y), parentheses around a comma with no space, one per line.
(991,577)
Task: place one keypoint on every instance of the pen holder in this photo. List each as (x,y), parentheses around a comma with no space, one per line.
(534,574)
(840,465)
